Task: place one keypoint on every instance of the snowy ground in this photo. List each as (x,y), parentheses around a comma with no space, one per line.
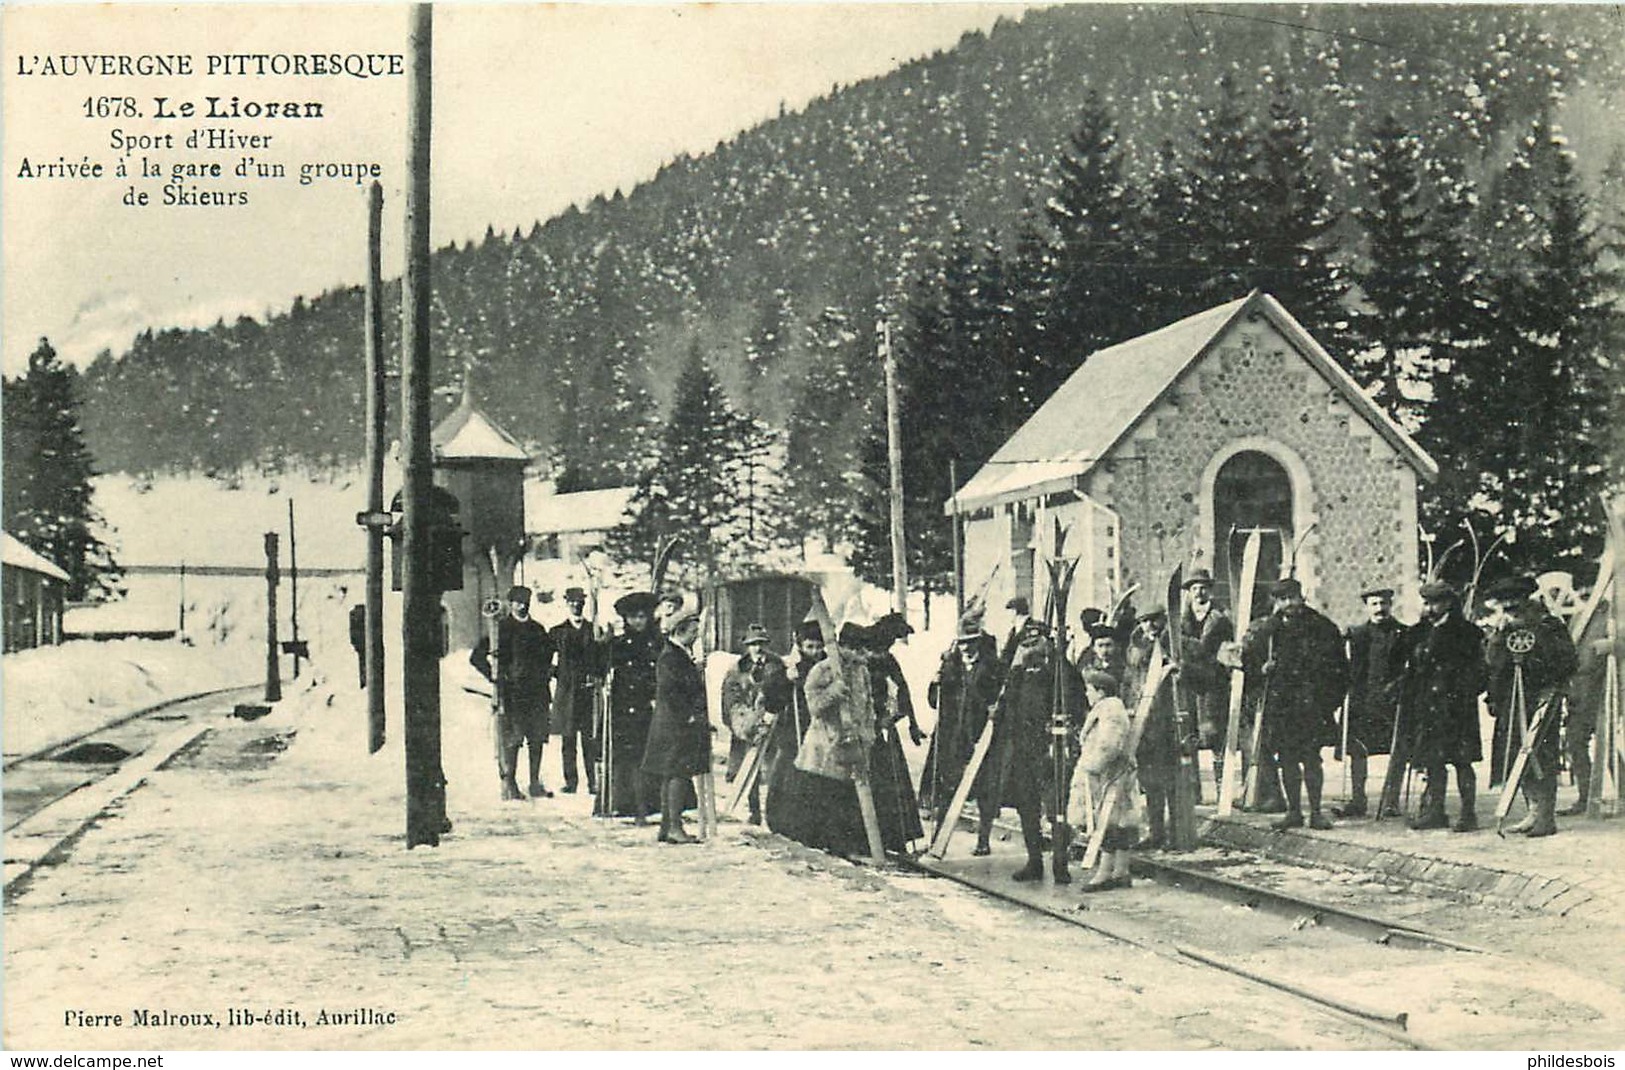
(230,882)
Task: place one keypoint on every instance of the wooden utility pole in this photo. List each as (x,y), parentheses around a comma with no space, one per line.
(425,791)
(293,593)
(181,627)
(273,679)
(894,459)
(959,552)
(376,408)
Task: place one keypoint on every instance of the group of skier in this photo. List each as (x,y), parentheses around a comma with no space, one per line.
(1379,688)
(817,733)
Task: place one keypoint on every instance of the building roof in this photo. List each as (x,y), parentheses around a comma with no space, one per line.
(586,510)
(1115,387)
(467,434)
(15,553)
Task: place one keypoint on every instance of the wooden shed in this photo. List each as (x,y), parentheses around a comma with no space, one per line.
(33,591)
(778,602)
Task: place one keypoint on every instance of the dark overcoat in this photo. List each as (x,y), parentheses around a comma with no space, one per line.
(579,670)
(680,735)
(1308,679)
(1377,655)
(1203,682)
(1546,672)
(1441,683)
(1020,756)
(962,697)
(524,661)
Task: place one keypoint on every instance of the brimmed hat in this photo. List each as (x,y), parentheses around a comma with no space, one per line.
(756,634)
(809,629)
(1512,589)
(1020,604)
(1377,590)
(574,594)
(681,617)
(1034,629)
(1091,616)
(891,627)
(970,627)
(853,634)
(1287,588)
(637,602)
(519,593)
(1200,575)
(1439,592)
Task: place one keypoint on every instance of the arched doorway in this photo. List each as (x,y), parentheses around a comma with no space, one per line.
(1251,490)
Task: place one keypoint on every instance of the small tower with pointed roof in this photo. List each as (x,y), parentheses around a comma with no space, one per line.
(484,466)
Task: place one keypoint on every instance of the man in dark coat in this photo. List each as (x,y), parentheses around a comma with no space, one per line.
(964,691)
(1022,739)
(1156,759)
(632,656)
(1205,684)
(1297,655)
(896,806)
(1376,648)
(579,672)
(524,657)
(747,692)
(1441,682)
(1526,634)
(679,744)
(1023,610)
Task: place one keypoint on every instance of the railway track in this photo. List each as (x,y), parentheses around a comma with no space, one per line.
(37,779)
(1176,919)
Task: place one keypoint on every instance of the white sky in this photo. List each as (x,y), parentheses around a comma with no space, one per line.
(535,107)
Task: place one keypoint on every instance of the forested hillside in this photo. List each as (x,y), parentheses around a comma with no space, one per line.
(1086,173)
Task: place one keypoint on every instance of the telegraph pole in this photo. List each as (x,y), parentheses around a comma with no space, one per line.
(273,679)
(425,791)
(376,406)
(959,556)
(894,458)
(296,649)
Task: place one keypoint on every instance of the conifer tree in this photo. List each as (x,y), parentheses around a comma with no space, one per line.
(1392,278)
(1096,288)
(693,489)
(1294,216)
(1224,216)
(47,475)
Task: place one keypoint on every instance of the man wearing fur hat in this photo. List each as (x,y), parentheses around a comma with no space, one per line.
(1297,656)
(963,693)
(579,672)
(1442,679)
(1021,755)
(1377,648)
(748,693)
(1524,633)
(524,657)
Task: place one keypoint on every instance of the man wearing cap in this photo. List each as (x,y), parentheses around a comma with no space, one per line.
(679,746)
(1203,629)
(632,656)
(1441,682)
(1023,611)
(963,693)
(1156,759)
(1297,656)
(1377,648)
(1021,754)
(579,672)
(1519,620)
(747,691)
(524,657)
